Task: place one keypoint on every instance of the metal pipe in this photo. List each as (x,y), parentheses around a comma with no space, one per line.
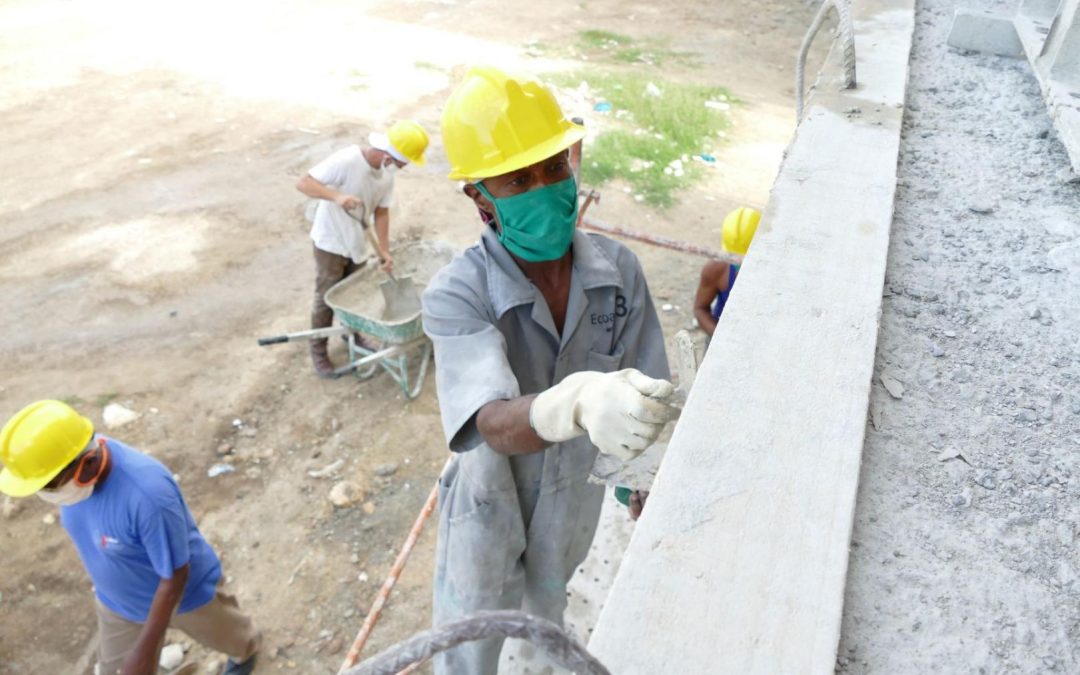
(846,33)
(661,240)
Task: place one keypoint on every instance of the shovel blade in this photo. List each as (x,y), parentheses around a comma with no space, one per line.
(401,298)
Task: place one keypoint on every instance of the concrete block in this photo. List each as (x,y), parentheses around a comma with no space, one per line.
(986,32)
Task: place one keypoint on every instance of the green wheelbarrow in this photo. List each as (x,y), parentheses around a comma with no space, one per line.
(402,350)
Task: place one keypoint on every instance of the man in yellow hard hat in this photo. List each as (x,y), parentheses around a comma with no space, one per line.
(548,350)
(150,566)
(718,277)
(354,186)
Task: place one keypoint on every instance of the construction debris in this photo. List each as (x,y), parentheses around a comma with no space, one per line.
(220,469)
(11,507)
(328,470)
(116,416)
(345,493)
(385,470)
(171,657)
(893,386)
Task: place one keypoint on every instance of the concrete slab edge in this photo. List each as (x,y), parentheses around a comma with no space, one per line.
(739,562)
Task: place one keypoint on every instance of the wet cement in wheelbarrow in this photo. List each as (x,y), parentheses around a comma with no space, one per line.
(359,293)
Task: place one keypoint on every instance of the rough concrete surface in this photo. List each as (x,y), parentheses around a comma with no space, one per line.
(963,556)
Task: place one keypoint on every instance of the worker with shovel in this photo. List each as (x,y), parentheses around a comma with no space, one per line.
(354,185)
(548,349)
(150,567)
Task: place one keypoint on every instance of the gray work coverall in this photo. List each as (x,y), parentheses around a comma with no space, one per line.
(512,530)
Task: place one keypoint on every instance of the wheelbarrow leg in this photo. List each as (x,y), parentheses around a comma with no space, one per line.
(425,358)
(357,352)
(403,368)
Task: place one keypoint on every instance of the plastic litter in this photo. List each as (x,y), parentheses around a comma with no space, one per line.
(220,469)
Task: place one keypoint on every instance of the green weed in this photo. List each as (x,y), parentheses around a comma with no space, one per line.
(602,45)
(660,127)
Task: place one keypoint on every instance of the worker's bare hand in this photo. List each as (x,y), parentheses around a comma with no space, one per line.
(348,202)
(386,263)
(637,503)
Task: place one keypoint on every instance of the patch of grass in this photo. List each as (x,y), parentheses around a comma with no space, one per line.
(102,400)
(74,400)
(607,47)
(602,45)
(428,65)
(662,126)
(604,38)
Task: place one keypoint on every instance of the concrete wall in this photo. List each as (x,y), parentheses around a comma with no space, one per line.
(738,564)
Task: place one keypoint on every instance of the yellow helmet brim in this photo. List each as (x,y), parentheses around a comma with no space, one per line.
(554,145)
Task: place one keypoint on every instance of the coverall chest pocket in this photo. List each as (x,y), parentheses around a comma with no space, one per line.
(602,362)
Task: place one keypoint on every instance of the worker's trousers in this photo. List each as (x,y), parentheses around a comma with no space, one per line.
(491,556)
(218,625)
(330,268)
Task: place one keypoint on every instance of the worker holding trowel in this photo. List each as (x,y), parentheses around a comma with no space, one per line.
(718,277)
(548,349)
(354,185)
(150,567)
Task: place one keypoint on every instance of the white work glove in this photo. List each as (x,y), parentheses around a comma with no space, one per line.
(622,412)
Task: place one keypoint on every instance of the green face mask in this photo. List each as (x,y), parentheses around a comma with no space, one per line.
(538,225)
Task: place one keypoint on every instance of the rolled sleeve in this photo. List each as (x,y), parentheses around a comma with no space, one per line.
(471,365)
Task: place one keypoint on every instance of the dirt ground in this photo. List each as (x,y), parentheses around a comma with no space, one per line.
(151,232)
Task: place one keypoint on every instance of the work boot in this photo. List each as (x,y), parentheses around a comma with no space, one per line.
(234,668)
(324,368)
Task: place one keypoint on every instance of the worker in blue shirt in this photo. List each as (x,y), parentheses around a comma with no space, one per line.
(150,566)
(717,277)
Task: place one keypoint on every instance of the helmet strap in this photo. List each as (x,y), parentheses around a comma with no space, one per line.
(104,448)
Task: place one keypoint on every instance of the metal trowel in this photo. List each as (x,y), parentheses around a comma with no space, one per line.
(400,296)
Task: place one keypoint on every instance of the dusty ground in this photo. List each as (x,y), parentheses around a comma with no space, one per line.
(963,557)
(150,232)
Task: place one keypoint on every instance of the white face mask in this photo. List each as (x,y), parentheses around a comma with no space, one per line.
(390,167)
(67,494)
(72,492)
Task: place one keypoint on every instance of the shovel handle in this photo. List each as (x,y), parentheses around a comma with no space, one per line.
(371,240)
(313,334)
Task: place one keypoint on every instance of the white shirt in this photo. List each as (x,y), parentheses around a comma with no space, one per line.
(333,230)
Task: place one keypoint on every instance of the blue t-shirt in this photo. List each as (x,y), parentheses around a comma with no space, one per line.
(722,296)
(134,530)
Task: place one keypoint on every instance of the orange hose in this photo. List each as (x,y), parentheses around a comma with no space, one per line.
(384,593)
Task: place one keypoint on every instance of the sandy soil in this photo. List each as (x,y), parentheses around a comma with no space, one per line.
(150,232)
(963,558)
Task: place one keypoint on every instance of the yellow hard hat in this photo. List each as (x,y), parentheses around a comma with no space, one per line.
(739,228)
(495,123)
(37,443)
(409,139)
